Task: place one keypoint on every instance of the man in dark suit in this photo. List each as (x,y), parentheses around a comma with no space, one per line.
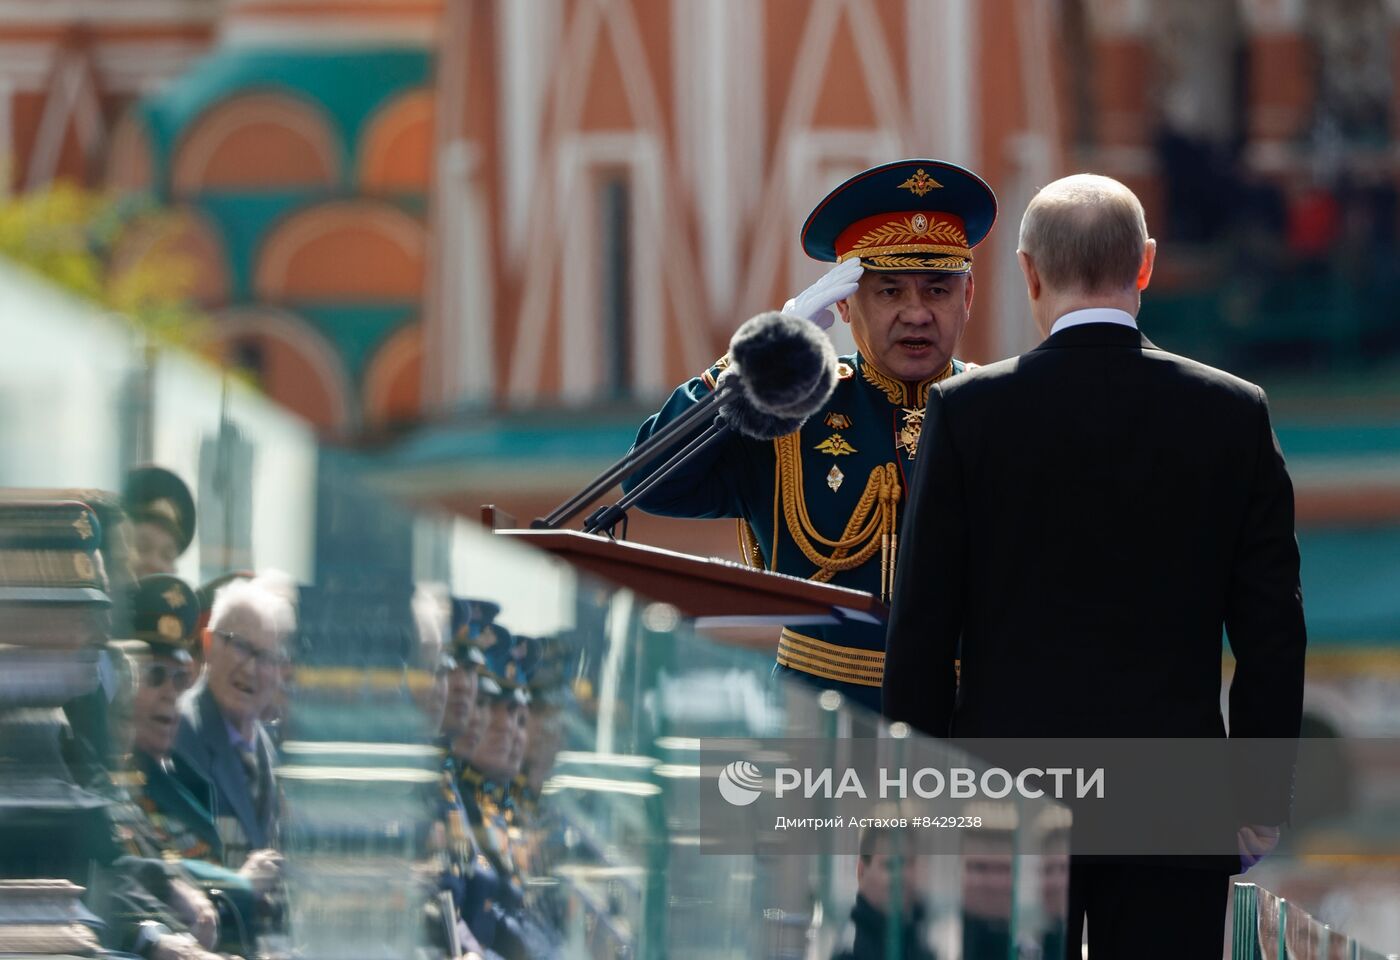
(1084,520)
(221,742)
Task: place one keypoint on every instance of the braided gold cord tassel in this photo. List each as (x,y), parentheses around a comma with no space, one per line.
(870,528)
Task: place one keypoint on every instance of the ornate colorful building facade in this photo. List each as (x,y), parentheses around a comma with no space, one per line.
(517,223)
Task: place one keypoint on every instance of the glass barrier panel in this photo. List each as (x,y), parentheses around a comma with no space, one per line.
(1272,915)
(1302,935)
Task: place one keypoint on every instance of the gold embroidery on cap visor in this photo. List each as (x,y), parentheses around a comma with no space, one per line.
(898,243)
(169,627)
(917,264)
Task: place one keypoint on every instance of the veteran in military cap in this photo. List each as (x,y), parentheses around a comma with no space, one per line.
(161,509)
(164,614)
(825,502)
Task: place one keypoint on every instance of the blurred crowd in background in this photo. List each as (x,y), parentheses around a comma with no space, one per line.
(143,720)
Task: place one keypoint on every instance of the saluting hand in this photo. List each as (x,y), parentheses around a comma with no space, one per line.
(815,302)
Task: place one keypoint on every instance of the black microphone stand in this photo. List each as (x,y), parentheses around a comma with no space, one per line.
(679,431)
(606,519)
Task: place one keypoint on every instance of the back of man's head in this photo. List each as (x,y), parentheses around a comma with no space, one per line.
(1086,234)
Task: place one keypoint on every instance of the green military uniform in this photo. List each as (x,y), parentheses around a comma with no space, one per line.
(164,616)
(825,503)
(182,819)
(176,817)
(488,899)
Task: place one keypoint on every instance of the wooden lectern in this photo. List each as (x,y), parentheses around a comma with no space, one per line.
(711,591)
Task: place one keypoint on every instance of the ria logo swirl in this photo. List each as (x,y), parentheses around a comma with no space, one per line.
(740,783)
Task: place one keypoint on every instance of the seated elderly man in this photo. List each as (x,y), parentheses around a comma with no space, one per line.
(221,744)
(164,611)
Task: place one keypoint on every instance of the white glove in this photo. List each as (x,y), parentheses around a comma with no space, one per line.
(815,302)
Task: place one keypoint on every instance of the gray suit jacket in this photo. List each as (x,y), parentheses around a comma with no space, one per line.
(203,749)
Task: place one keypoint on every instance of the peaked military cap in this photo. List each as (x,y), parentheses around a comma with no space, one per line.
(545,661)
(470,618)
(903,217)
(48,553)
(165,614)
(502,674)
(156,495)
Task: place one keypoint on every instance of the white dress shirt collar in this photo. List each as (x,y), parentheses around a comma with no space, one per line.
(1094,315)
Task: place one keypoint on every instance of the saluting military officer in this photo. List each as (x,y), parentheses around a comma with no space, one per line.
(161,509)
(826,502)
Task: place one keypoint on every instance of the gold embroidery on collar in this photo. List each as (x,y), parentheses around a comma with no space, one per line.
(897,391)
(921,398)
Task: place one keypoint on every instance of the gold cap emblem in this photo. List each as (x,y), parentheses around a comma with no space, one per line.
(174,598)
(168,626)
(920,183)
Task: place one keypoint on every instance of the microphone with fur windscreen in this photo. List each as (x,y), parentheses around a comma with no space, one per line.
(782,370)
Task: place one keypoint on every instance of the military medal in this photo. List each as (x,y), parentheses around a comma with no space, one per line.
(907,439)
(834,478)
(838,421)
